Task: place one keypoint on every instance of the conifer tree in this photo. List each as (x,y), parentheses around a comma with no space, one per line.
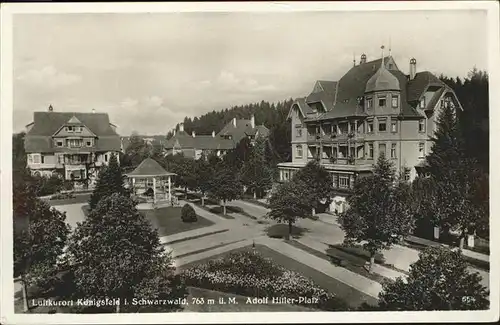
(454,177)
(110,181)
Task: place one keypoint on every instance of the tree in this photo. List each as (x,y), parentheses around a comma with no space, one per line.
(40,235)
(136,151)
(117,254)
(379,211)
(18,153)
(110,181)
(422,189)
(239,154)
(225,184)
(203,174)
(439,280)
(185,168)
(455,178)
(256,174)
(319,184)
(288,203)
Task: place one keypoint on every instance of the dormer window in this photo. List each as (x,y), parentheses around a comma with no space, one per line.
(422,103)
(69,129)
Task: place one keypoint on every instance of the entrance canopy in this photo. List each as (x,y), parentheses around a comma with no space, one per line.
(151,175)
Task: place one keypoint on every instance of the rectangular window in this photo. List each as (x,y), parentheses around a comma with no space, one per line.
(382,149)
(343,181)
(59,143)
(60,159)
(369,126)
(422,103)
(421,150)
(369,103)
(42,159)
(343,128)
(298,129)
(382,101)
(421,125)
(353,127)
(370,150)
(106,157)
(395,101)
(393,150)
(361,128)
(382,124)
(36,159)
(394,125)
(298,151)
(74,143)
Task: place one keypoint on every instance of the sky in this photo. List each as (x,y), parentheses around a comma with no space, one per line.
(150,70)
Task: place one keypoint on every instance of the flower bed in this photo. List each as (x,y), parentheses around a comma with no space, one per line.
(247,273)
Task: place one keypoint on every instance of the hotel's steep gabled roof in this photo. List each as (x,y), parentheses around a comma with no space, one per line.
(46,124)
(342,98)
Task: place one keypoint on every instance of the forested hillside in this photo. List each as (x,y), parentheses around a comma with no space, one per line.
(272,115)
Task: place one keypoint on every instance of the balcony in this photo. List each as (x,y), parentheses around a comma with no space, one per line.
(44,166)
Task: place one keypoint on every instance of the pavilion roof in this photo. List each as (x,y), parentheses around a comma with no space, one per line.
(148,168)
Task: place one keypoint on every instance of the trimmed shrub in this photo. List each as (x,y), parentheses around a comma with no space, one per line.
(248,273)
(62,196)
(188,214)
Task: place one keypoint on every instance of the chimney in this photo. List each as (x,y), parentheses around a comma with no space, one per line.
(181,127)
(234,121)
(213,134)
(252,121)
(413,68)
(51,108)
(193,134)
(93,111)
(363,59)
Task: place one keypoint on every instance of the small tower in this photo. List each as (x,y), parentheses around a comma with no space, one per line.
(363,59)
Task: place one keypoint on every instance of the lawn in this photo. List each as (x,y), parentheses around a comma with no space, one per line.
(168,221)
(350,295)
